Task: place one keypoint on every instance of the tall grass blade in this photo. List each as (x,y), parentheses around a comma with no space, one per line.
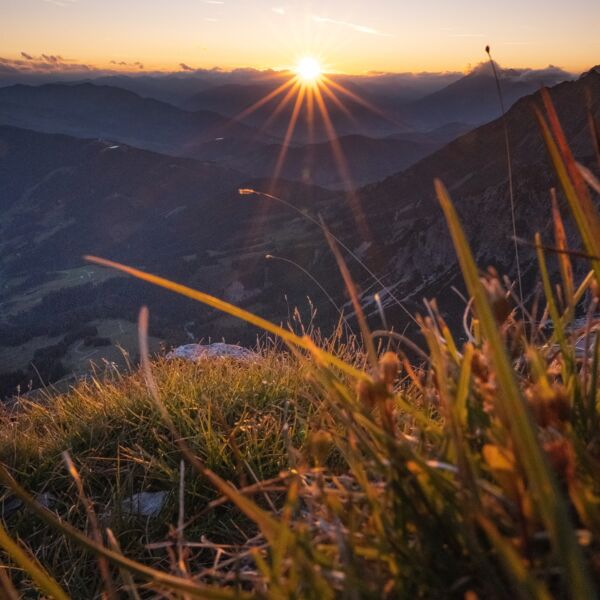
(6,586)
(234,311)
(551,505)
(525,586)
(351,287)
(573,185)
(45,583)
(564,262)
(511,191)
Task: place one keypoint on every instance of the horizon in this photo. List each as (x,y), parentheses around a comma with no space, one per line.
(183,36)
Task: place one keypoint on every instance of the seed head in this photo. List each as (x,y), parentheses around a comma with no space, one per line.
(562,458)
(550,409)
(497,296)
(389,367)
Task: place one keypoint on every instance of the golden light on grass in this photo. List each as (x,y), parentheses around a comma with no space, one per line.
(309,70)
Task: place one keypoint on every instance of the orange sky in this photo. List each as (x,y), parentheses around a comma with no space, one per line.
(347,35)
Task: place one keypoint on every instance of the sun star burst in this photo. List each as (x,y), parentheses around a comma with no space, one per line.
(308,69)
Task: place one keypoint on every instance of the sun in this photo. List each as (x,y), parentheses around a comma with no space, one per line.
(308,69)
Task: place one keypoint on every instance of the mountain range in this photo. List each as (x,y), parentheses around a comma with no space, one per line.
(89,189)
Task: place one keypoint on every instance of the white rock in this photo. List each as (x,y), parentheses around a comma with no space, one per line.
(197,352)
(145,504)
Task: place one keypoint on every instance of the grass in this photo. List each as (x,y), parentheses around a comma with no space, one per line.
(333,468)
(114,433)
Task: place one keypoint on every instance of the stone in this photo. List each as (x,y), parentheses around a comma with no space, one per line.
(145,504)
(198,352)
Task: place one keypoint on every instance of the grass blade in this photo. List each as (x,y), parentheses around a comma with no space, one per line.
(564,261)
(550,504)
(234,311)
(45,583)
(524,584)
(583,210)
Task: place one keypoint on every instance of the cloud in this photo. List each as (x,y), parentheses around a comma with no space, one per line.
(61,3)
(467,35)
(213,2)
(185,67)
(211,19)
(44,63)
(123,63)
(356,27)
(279,10)
(549,75)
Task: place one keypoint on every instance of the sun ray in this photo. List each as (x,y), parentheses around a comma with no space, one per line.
(259,103)
(282,104)
(358,214)
(370,106)
(288,134)
(331,95)
(310,113)
(260,217)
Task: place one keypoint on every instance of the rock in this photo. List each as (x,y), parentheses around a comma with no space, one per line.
(145,504)
(9,506)
(47,499)
(197,352)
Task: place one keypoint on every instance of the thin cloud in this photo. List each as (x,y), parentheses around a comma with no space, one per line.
(137,64)
(185,67)
(354,26)
(44,63)
(467,35)
(211,19)
(279,10)
(61,3)
(213,2)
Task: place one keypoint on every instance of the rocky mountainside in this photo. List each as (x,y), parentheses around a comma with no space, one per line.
(473,98)
(415,247)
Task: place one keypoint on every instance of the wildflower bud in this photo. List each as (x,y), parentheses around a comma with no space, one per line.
(320,445)
(389,367)
(561,457)
(595,289)
(366,394)
(479,365)
(550,409)
(497,296)
(372,394)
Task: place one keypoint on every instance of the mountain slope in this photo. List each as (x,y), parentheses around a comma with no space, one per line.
(403,211)
(367,159)
(62,197)
(474,99)
(87,110)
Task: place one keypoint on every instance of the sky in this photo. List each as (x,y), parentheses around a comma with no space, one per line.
(348,36)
